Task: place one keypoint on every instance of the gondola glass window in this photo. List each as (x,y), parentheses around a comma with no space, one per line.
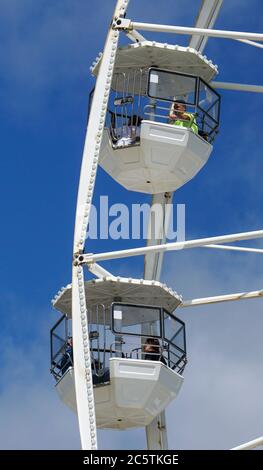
(169,86)
(199,99)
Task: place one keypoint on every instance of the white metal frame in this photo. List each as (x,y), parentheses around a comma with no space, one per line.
(82,364)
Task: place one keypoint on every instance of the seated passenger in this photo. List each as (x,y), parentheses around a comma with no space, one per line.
(152,350)
(100,375)
(179,117)
(67,359)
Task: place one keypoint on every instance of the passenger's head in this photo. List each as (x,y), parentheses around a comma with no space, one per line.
(152,345)
(179,107)
(69,341)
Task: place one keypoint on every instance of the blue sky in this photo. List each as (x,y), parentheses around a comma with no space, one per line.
(46,49)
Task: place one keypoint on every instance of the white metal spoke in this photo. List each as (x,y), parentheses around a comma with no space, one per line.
(222,298)
(235,248)
(237,87)
(250,445)
(216,33)
(91,258)
(206,19)
(251,43)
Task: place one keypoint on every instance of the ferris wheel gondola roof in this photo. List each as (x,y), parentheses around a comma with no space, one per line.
(146,54)
(127,290)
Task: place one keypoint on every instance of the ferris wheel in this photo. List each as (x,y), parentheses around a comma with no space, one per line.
(154,116)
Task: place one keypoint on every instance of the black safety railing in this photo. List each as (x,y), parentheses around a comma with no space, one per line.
(112,333)
(165,335)
(61,351)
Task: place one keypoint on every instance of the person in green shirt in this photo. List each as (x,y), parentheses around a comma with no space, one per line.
(179,117)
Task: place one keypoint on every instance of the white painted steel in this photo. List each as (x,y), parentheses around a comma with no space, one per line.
(82,366)
(157,228)
(222,298)
(251,43)
(147,54)
(138,391)
(250,445)
(131,291)
(206,19)
(217,33)
(156,431)
(135,36)
(235,248)
(99,271)
(91,258)
(237,87)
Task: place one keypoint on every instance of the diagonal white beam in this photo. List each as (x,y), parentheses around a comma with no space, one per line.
(99,271)
(250,445)
(235,248)
(134,36)
(216,33)
(251,43)
(222,298)
(206,18)
(92,258)
(237,87)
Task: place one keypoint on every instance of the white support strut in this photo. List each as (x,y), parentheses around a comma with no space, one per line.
(250,445)
(206,19)
(237,87)
(216,33)
(251,43)
(222,298)
(99,271)
(156,431)
(82,364)
(134,36)
(156,235)
(235,248)
(92,258)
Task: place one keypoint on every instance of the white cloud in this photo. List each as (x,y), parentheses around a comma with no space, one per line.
(219,404)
